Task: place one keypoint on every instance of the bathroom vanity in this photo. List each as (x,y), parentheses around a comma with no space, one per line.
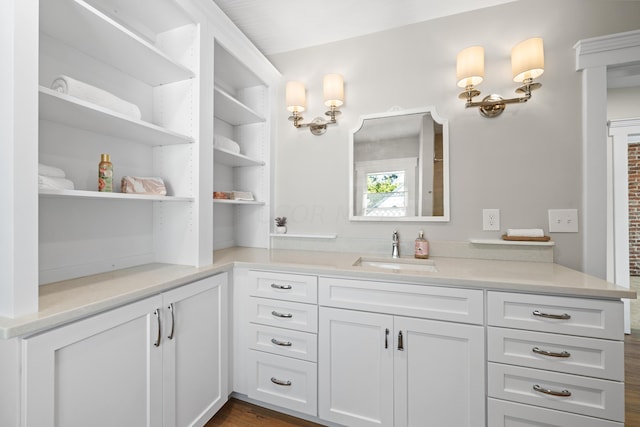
(323,336)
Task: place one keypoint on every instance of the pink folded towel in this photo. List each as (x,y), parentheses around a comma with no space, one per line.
(143,185)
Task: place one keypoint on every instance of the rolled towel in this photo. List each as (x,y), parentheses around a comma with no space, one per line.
(50,183)
(226,144)
(86,92)
(52,171)
(143,185)
(525,232)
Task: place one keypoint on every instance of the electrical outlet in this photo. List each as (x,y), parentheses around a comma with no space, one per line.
(491,219)
(563,220)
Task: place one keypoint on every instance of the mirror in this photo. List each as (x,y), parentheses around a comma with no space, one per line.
(399,164)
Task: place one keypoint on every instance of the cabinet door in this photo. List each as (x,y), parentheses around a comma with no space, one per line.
(439,374)
(195,381)
(101,371)
(355,368)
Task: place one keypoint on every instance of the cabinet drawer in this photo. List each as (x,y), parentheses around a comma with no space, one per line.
(563,315)
(285,342)
(509,414)
(284,286)
(568,354)
(429,302)
(284,314)
(282,381)
(589,396)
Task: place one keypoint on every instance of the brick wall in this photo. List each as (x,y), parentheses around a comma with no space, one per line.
(634,209)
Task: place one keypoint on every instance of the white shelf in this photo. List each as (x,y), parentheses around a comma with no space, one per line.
(230,158)
(83,194)
(232,111)
(86,29)
(510,242)
(305,236)
(74,112)
(238,202)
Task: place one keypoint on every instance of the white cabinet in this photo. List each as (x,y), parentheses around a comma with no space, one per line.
(194,349)
(281,339)
(141,364)
(104,370)
(563,356)
(391,370)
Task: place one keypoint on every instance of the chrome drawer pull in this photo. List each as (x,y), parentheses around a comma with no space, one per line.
(563,393)
(280,382)
(285,315)
(173,322)
(276,286)
(281,343)
(156,313)
(563,316)
(551,353)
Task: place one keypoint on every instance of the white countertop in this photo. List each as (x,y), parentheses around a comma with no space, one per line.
(70,300)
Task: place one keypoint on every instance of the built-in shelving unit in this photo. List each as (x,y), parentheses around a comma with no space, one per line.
(149,61)
(242,112)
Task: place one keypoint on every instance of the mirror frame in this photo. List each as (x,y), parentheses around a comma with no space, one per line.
(445,169)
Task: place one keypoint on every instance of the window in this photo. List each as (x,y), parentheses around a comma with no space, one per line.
(386,188)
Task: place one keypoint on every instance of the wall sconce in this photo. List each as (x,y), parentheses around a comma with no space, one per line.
(333,91)
(527,63)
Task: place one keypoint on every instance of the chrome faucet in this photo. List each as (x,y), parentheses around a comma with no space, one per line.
(395,250)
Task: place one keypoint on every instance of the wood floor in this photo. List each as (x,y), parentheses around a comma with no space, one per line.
(241,414)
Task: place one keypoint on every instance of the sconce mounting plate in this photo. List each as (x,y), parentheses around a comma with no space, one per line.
(493,107)
(318,126)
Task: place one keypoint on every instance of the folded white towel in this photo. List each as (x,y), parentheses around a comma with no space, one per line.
(86,92)
(226,144)
(50,183)
(52,171)
(525,232)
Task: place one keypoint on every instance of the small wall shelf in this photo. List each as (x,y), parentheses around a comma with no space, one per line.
(510,242)
(305,236)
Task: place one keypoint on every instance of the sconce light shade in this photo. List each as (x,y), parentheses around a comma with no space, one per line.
(333,90)
(527,59)
(295,97)
(470,66)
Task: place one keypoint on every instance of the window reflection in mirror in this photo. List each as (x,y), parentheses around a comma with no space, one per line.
(399,163)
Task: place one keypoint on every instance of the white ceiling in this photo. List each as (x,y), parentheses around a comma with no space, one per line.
(276,26)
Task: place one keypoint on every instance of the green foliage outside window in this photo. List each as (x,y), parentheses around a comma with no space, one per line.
(382,183)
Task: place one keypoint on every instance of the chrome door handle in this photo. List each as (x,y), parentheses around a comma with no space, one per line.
(551,353)
(563,316)
(284,315)
(281,343)
(562,393)
(386,338)
(280,382)
(277,286)
(159,337)
(173,321)
(400,341)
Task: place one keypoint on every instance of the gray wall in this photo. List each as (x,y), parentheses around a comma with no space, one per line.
(524,162)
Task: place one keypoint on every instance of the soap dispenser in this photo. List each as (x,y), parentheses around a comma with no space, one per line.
(422,246)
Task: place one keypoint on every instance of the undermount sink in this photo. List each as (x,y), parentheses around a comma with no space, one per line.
(398,264)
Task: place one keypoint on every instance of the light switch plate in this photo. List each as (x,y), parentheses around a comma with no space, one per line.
(563,220)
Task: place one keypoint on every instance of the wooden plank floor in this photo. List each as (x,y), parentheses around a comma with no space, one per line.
(241,414)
